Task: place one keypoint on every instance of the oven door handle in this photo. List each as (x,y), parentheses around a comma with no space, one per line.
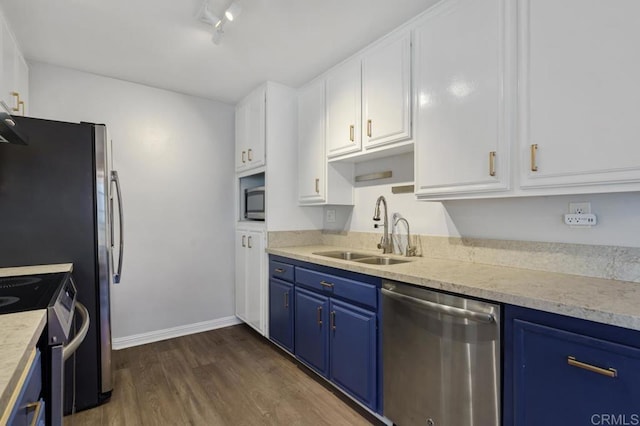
(72,346)
(441,309)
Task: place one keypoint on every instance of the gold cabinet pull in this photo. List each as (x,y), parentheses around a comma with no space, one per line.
(249,157)
(244,153)
(326,284)
(243,241)
(333,320)
(38,407)
(352,133)
(369,128)
(279,270)
(17,96)
(286,300)
(534,151)
(609,372)
(21,106)
(317,186)
(249,242)
(492,163)
(320,315)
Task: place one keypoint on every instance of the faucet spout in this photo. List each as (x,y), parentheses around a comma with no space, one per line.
(409,250)
(385,243)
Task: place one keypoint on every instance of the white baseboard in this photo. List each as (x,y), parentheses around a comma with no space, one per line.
(170,333)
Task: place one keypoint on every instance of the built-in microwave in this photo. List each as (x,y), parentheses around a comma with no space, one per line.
(254,202)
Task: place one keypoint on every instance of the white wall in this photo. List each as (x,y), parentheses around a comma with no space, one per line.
(175,157)
(525,218)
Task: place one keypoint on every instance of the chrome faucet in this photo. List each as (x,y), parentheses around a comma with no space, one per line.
(410,250)
(385,242)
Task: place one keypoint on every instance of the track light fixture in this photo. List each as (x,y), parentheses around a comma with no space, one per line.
(208,17)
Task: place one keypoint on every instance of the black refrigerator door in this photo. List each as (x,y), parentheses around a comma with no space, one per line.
(47,215)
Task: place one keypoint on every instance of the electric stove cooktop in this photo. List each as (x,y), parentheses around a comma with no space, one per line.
(30,292)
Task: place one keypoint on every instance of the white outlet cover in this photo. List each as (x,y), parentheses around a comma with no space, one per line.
(580,208)
(331,216)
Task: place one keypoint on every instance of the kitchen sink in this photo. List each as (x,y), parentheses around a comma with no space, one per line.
(381,261)
(344,255)
(361,257)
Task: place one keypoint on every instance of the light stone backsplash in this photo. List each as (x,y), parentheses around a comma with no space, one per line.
(609,262)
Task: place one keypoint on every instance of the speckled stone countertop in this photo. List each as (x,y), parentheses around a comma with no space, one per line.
(596,299)
(19,334)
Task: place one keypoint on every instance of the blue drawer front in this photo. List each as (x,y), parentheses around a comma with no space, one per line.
(355,291)
(25,408)
(281,270)
(550,390)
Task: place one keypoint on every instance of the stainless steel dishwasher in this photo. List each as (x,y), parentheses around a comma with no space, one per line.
(441,358)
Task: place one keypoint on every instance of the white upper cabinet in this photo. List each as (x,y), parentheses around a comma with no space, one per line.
(250,130)
(343,109)
(579,64)
(14,77)
(311,149)
(386,92)
(318,181)
(462,93)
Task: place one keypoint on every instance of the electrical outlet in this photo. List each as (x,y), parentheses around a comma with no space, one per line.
(588,220)
(331,216)
(579,208)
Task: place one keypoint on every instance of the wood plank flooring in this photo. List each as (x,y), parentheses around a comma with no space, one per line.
(230,376)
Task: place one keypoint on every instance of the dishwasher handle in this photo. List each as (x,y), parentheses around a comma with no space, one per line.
(442,309)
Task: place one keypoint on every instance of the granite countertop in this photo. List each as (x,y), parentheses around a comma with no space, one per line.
(19,334)
(595,299)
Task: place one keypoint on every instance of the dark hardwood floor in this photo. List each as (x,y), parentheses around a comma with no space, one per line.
(230,376)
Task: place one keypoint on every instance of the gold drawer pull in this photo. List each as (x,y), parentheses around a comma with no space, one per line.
(369,128)
(333,320)
(286,300)
(534,151)
(244,153)
(609,372)
(249,157)
(492,163)
(249,242)
(326,284)
(317,186)
(244,239)
(352,132)
(279,270)
(320,315)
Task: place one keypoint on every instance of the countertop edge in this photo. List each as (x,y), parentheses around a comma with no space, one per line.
(591,309)
(23,363)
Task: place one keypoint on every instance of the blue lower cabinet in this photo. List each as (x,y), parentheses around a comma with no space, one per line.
(570,379)
(281,310)
(312,330)
(353,347)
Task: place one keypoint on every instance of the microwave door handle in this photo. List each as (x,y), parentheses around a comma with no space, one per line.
(114,179)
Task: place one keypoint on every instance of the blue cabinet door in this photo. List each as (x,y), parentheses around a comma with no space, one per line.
(567,378)
(281,309)
(352,345)
(311,330)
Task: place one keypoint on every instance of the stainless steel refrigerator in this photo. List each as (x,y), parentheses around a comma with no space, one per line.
(56,206)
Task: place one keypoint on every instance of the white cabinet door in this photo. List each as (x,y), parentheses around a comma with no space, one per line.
(343,97)
(579,64)
(250,131)
(9,55)
(241,280)
(386,84)
(311,139)
(255,281)
(461,141)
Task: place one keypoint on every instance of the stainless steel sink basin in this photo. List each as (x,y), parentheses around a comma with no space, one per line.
(381,261)
(344,255)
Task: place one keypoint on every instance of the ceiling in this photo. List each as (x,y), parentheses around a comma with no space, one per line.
(161,43)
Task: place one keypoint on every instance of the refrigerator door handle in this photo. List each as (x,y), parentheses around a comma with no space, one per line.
(116,181)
